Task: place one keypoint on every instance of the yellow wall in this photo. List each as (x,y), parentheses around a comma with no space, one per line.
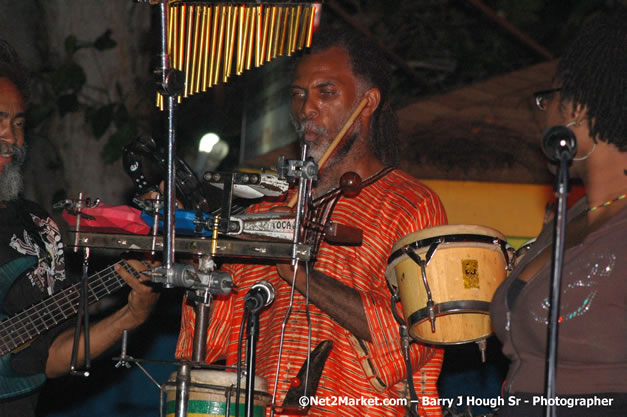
(516,210)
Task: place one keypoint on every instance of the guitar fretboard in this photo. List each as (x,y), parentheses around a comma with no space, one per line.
(31,322)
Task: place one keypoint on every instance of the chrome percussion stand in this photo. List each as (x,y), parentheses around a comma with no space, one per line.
(203,283)
(75,207)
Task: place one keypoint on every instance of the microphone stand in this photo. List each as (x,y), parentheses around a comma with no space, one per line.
(251,356)
(559,234)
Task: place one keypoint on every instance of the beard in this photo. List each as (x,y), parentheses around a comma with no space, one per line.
(315,148)
(11,182)
(318,147)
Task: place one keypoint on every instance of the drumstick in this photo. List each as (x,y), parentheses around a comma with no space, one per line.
(336,141)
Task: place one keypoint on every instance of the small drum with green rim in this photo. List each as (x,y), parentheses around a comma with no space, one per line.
(212,391)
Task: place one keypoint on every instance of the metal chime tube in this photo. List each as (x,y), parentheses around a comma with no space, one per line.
(220,43)
(188,47)
(209,42)
(286,16)
(250,37)
(206,52)
(196,56)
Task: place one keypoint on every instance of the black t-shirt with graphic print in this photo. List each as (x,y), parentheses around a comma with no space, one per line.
(32,267)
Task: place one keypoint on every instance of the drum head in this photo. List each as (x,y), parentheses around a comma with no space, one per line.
(450,229)
(435,232)
(221,379)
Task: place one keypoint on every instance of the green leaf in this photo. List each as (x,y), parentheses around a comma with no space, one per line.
(118,88)
(37,113)
(114,147)
(104,41)
(121,116)
(67,103)
(69,77)
(100,119)
(71,45)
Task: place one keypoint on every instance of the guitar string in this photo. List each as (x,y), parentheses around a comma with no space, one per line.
(26,321)
(27,317)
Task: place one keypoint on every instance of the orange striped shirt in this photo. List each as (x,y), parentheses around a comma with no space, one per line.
(386,210)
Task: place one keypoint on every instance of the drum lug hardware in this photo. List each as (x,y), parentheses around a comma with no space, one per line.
(396,297)
(482,348)
(423,266)
(505,248)
(431,251)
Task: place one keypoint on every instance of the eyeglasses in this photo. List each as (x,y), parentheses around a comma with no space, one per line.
(543,98)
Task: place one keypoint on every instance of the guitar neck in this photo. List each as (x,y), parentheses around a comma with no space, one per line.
(19,329)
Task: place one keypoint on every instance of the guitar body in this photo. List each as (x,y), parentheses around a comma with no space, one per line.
(11,383)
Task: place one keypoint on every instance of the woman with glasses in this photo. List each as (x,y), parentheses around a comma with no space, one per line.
(590,98)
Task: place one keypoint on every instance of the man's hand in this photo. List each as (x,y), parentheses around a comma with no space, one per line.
(153,195)
(142,298)
(106,332)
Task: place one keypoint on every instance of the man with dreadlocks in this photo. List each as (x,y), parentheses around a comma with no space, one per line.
(32,267)
(589,97)
(347,289)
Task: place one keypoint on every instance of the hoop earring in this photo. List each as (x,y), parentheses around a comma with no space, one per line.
(586,155)
(582,158)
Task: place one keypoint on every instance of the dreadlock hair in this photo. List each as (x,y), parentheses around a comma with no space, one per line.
(369,65)
(11,67)
(593,74)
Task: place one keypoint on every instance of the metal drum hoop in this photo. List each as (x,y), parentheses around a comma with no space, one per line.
(434,242)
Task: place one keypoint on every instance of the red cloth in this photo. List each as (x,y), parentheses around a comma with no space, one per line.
(386,210)
(110,219)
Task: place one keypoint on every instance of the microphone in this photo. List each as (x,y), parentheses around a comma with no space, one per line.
(558,141)
(260,295)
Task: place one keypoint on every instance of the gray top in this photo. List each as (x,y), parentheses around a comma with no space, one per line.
(592,331)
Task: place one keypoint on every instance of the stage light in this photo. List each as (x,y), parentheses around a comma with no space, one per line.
(211,151)
(207,142)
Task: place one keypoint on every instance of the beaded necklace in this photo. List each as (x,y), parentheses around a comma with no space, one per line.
(607,203)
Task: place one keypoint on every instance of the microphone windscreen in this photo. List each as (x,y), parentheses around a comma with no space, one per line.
(557,140)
